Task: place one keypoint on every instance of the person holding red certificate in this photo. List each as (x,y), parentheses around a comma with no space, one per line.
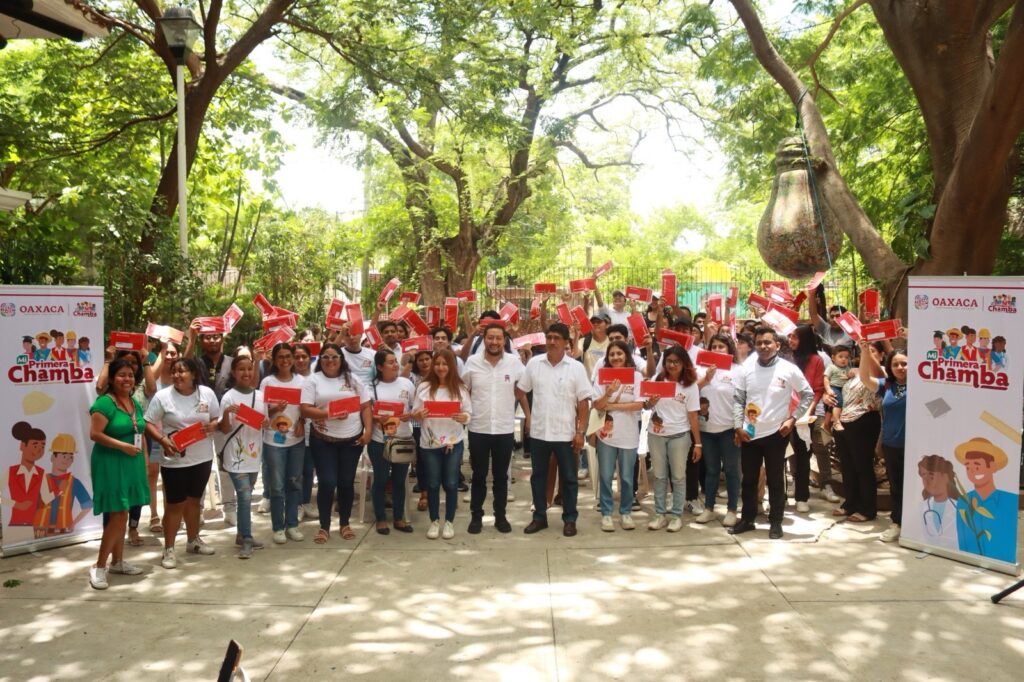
(619,437)
(243,413)
(720,450)
(184,470)
(338,437)
(441,438)
(388,387)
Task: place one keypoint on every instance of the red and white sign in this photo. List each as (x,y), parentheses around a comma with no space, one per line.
(734,295)
(250,417)
(545,288)
(451,313)
(433,313)
(657,389)
(373,335)
(416,323)
(563,314)
(279,335)
(638,325)
(706,358)
(792,315)
(535,339)
(668,287)
(389,290)
(282,394)
(715,308)
(313,347)
(777,321)
(163,331)
(798,301)
(468,295)
(779,295)
(879,331)
(603,269)
(582,321)
(211,325)
(417,343)
(642,294)
(335,314)
(231,317)
(353,312)
(441,409)
(128,340)
(871,302)
(609,375)
(850,324)
(409,297)
(342,407)
(777,283)
(667,337)
(278,321)
(758,301)
(400,312)
(535,309)
(263,305)
(577,286)
(190,435)
(509,312)
(384,408)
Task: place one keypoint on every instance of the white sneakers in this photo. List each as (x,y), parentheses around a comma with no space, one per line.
(675,525)
(695,506)
(230,517)
(264,506)
(98,577)
(583,474)
(295,534)
(310,511)
(706,516)
(803,507)
(124,568)
(607,525)
(434,531)
(448,532)
(829,494)
(197,546)
(890,534)
(627,522)
(168,560)
(279,537)
(730,519)
(658,522)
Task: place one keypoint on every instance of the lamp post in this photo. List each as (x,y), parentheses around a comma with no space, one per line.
(180,31)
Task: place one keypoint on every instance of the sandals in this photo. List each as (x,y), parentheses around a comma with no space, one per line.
(839,511)
(347,533)
(321,537)
(422,504)
(857,518)
(133,538)
(155,526)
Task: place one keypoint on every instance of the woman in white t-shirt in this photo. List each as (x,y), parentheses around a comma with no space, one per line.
(717,434)
(393,422)
(441,439)
(619,436)
(417,368)
(284,448)
(337,441)
(673,426)
(184,473)
(243,446)
(302,367)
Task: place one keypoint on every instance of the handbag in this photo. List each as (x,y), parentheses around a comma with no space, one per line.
(397,450)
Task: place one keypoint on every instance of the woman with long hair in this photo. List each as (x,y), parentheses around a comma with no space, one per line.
(717,435)
(939,497)
(391,388)
(619,437)
(184,473)
(284,449)
(441,439)
(118,465)
(856,441)
(302,368)
(338,436)
(672,428)
(168,355)
(804,345)
(418,367)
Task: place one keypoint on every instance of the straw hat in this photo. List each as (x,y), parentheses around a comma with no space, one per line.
(43,335)
(983,446)
(953,330)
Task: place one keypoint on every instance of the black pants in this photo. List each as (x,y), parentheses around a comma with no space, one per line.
(856,443)
(490,451)
(134,514)
(771,450)
(894,469)
(696,472)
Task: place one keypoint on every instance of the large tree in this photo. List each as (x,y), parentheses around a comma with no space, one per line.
(971,99)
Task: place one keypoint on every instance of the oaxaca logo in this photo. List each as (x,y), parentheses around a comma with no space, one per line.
(968,357)
(921,301)
(954,302)
(41,309)
(7,309)
(1003,303)
(85,309)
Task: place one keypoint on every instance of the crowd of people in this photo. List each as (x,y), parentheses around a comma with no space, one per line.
(306,411)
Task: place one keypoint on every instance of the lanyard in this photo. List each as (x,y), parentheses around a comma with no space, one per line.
(131,413)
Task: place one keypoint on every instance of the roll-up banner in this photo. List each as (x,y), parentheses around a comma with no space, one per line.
(51,349)
(964,402)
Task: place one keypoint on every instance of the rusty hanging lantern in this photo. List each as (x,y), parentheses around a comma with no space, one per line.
(797,236)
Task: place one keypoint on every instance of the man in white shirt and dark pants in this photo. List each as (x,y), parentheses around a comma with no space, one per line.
(492,378)
(763,422)
(561,404)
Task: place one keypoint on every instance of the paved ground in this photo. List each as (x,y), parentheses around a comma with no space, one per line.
(829,602)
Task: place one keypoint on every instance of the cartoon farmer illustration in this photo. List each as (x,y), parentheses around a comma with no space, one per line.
(58,352)
(25,479)
(55,517)
(952,351)
(42,353)
(280,425)
(752,412)
(986,517)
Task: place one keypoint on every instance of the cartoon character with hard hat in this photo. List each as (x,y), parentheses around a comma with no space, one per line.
(73,346)
(56,516)
(984,338)
(952,351)
(987,517)
(42,353)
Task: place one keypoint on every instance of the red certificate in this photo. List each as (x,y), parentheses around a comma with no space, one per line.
(279,335)
(544,288)
(282,394)
(706,358)
(384,408)
(667,337)
(756,300)
(535,309)
(162,331)
(373,334)
(535,339)
(313,347)
(638,325)
(582,321)
(871,301)
(798,301)
(389,290)
(400,312)
(879,331)
(577,286)
(779,295)
(250,417)
(442,408)
(791,314)
(343,406)
(734,294)
(263,305)
(602,269)
(232,316)
(658,389)
(850,324)
(777,283)
(288,320)
(353,312)
(715,308)
(417,343)
(128,340)
(451,313)
(508,312)
(668,287)
(642,294)
(211,325)
(608,375)
(563,314)
(416,323)
(777,321)
(818,278)
(335,314)
(433,316)
(467,295)
(190,435)
(409,297)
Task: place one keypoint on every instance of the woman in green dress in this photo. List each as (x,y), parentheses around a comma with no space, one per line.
(118,466)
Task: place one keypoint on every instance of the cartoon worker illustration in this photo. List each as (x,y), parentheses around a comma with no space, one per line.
(752,412)
(939,496)
(58,352)
(84,353)
(986,517)
(608,428)
(25,479)
(952,350)
(55,517)
(939,341)
(969,351)
(28,350)
(280,424)
(42,353)
(73,347)
(998,354)
(984,337)
(390,426)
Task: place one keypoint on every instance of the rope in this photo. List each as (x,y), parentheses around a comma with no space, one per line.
(815,198)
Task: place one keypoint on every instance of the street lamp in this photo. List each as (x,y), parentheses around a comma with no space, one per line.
(180,31)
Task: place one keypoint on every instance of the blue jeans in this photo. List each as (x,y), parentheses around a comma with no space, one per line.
(244,484)
(607,457)
(668,458)
(307,476)
(442,470)
(540,453)
(282,476)
(384,471)
(721,452)
(336,465)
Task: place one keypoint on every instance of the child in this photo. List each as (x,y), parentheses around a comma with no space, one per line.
(702,415)
(836,376)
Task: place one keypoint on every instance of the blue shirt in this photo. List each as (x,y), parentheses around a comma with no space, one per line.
(996,537)
(894,413)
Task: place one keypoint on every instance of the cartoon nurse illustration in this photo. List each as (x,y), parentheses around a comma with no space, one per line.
(56,517)
(938,501)
(25,479)
(986,516)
